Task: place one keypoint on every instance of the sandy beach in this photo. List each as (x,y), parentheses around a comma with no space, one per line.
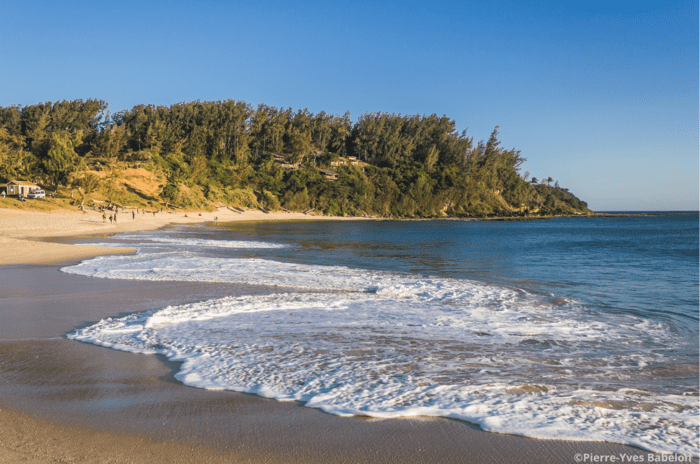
(68,401)
(22,233)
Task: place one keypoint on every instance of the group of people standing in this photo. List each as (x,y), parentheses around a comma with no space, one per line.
(113,217)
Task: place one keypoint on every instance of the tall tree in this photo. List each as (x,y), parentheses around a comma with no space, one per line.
(59,162)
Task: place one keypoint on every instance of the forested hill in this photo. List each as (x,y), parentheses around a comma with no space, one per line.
(201,154)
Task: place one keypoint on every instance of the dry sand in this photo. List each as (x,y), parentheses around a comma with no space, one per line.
(22,232)
(67,401)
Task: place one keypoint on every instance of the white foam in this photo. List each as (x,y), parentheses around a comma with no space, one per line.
(363,354)
(384,344)
(198,242)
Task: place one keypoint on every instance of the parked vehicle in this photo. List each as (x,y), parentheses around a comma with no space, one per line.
(36,193)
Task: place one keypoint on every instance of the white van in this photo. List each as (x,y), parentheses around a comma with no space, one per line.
(36,193)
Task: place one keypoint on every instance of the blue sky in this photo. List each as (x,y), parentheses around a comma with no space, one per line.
(602,96)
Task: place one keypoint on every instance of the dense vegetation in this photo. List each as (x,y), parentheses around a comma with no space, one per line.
(229,152)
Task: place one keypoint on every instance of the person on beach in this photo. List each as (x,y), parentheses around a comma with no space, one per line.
(110,218)
(104,217)
(133,215)
(115,217)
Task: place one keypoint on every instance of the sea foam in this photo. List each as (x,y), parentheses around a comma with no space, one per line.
(198,242)
(358,342)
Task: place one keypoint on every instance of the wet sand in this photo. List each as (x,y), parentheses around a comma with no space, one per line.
(62,399)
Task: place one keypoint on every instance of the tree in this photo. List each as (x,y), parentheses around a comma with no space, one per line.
(258,132)
(89,183)
(59,160)
(277,123)
(196,145)
(341,128)
(171,190)
(322,130)
(12,154)
(35,122)
(299,144)
(110,142)
(534,180)
(431,158)
(86,185)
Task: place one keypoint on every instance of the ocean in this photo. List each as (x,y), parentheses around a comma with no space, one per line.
(569,328)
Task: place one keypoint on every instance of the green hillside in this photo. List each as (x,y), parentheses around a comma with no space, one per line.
(201,154)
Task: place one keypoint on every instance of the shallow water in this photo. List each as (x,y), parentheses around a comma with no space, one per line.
(578,328)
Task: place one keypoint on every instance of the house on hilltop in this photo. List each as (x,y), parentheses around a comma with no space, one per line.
(281,160)
(349,161)
(328,174)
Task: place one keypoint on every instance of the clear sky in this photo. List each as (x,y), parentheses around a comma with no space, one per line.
(600,95)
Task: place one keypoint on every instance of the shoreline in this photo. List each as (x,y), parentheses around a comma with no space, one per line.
(23,234)
(107,404)
(64,399)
